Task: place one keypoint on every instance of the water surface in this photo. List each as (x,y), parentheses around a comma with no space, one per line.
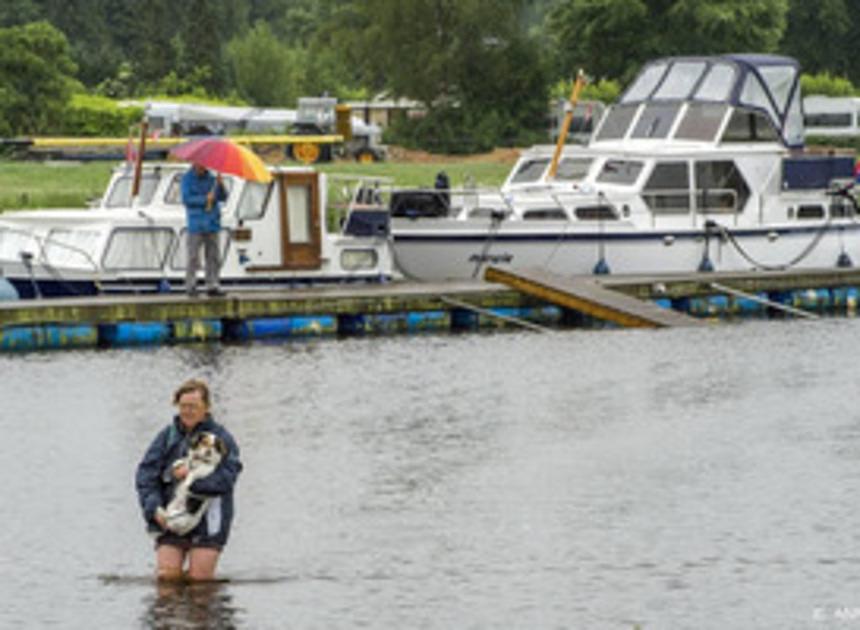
(583,479)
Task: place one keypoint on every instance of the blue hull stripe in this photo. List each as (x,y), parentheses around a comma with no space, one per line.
(501,237)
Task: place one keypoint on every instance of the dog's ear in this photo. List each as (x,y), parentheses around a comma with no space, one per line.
(195,440)
(221,446)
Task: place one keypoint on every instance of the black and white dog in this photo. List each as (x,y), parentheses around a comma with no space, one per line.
(185,509)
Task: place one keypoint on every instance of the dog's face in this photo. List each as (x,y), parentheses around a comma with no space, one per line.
(207,448)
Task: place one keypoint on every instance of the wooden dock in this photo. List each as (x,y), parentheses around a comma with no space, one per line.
(586,295)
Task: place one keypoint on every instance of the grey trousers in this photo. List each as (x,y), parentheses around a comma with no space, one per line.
(209,242)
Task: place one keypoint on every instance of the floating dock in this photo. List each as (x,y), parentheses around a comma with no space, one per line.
(154,319)
(539,301)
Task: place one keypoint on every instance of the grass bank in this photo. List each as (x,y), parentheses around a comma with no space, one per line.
(51,184)
(25,185)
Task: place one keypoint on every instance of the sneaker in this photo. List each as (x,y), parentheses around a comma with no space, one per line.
(215,292)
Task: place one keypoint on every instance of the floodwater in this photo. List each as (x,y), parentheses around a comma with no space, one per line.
(582,479)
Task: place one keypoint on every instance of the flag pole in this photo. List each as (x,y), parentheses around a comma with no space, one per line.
(138,164)
(565,127)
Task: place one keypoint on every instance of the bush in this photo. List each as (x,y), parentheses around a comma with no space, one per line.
(826,84)
(87,115)
(460,131)
(604,90)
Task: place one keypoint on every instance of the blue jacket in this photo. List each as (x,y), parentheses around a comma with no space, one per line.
(194,191)
(154,479)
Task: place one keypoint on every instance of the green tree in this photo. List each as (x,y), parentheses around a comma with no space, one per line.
(821,36)
(470,62)
(18,12)
(93,44)
(613,38)
(36,78)
(267,72)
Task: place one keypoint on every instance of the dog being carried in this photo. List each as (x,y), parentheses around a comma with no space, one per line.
(185,509)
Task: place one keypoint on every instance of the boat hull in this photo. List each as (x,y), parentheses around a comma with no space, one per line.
(454,254)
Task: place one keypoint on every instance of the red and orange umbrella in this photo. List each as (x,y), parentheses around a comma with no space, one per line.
(224,156)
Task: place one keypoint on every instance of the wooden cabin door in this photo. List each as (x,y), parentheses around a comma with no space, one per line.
(300,220)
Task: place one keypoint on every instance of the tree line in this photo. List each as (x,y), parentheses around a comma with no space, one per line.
(483,69)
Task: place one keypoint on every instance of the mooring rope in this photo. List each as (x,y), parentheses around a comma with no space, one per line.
(794,261)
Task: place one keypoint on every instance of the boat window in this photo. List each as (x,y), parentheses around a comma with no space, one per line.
(749,126)
(619,172)
(356,259)
(793,130)
(255,200)
(616,122)
(842,119)
(717,84)
(299,223)
(529,171)
(131,249)
(680,80)
(656,120)
(810,212)
(544,214)
(720,187)
(173,196)
(179,258)
(645,83)
(119,195)
(71,248)
(668,189)
(754,94)
(779,80)
(483,212)
(572,169)
(841,208)
(15,242)
(595,213)
(701,121)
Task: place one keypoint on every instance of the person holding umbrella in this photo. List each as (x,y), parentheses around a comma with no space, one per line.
(202,194)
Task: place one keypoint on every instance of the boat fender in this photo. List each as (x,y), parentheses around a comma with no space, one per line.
(601,268)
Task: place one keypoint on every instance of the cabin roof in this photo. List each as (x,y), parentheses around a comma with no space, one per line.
(765,83)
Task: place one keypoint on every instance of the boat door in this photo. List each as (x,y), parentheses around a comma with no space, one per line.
(300,220)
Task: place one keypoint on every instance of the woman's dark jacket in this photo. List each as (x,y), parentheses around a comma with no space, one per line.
(154,480)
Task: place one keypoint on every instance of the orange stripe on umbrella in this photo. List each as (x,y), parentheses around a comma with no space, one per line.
(224,156)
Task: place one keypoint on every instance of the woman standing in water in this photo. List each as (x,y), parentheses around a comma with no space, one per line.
(157,476)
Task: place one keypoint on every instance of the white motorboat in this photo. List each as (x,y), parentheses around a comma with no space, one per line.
(698,166)
(274,235)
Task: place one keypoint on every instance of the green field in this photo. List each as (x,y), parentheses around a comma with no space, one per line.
(72,184)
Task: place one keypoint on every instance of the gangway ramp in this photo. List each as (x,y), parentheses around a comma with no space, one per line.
(585,295)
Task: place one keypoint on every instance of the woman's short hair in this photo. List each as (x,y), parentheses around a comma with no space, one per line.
(192,385)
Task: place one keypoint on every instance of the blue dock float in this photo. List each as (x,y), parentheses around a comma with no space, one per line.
(282,327)
(126,334)
(48,337)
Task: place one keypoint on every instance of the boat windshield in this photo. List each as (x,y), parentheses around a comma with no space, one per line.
(701,121)
(119,194)
(573,169)
(529,171)
(620,172)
